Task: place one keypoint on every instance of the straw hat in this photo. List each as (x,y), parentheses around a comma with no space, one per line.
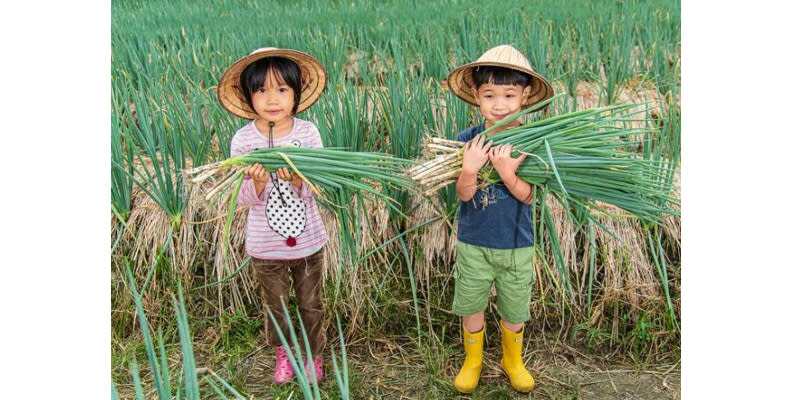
(460,80)
(312,73)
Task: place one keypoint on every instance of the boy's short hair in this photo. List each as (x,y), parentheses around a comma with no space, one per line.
(499,76)
(254,77)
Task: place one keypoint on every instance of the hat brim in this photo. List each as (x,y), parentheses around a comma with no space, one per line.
(312,72)
(460,81)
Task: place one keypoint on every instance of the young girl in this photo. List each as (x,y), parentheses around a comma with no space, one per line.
(285,234)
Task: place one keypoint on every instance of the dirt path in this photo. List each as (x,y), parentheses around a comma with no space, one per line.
(394,372)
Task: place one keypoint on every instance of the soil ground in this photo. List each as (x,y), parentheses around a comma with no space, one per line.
(385,370)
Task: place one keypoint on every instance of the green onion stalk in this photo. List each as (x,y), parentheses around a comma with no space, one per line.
(581,157)
(324,170)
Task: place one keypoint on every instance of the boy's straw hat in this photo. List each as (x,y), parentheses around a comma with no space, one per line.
(312,73)
(460,80)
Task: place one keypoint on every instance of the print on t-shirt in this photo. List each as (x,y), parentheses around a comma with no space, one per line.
(286,214)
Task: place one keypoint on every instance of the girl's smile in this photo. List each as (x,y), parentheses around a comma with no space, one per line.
(273,102)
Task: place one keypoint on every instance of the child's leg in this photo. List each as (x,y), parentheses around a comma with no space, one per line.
(472,283)
(273,277)
(474,323)
(513,327)
(513,284)
(308,289)
(473,278)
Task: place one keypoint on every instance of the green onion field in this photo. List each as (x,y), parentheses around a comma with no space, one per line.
(605,309)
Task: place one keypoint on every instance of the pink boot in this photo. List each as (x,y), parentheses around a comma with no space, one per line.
(283,368)
(317,367)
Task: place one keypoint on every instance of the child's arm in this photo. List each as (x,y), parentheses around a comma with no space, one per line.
(466,185)
(520,189)
(501,159)
(473,158)
(255,177)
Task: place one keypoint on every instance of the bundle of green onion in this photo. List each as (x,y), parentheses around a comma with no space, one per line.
(325,170)
(581,157)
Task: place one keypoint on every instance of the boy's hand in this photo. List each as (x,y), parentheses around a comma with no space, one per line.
(286,175)
(501,159)
(256,172)
(475,155)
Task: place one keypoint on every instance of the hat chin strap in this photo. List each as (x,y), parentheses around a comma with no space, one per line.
(273,177)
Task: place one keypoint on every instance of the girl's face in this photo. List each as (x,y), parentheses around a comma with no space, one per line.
(274,101)
(500,101)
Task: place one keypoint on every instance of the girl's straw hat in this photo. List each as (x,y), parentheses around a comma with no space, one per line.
(460,80)
(312,73)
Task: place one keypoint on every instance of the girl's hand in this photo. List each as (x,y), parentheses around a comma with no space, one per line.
(256,172)
(475,155)
(286,175)
(501,159)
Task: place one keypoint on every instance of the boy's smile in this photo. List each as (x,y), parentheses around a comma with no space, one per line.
(500,101)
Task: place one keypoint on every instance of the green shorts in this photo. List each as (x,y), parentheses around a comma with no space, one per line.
(512,271)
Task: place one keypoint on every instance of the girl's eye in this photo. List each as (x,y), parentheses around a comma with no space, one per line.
(261,90)
(487,96)
(283,90)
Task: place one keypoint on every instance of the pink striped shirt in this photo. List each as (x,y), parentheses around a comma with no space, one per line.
(279,218)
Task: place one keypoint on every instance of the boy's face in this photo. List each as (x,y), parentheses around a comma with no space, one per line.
(274,101)
(500,101)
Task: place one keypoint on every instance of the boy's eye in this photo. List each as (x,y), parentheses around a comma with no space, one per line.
(283,90)
(261,90)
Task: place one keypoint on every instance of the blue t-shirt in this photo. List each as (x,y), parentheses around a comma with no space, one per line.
(505,223)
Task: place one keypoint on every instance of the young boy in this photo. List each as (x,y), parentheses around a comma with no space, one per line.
(495,236)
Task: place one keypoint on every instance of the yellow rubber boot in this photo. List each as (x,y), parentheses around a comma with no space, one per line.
(468,376)
(512,363)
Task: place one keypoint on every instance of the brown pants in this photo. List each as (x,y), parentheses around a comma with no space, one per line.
(273,277)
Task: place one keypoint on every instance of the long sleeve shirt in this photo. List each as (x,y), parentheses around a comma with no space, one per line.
(282,224)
